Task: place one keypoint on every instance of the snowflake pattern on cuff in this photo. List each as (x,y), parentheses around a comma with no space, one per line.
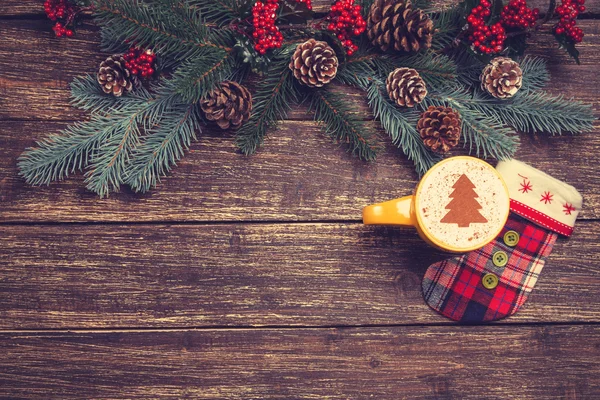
(547,197)
(568,208)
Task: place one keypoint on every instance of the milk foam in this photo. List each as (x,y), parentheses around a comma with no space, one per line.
(433,196)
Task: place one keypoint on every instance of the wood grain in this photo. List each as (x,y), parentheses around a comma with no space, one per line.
(531,363)
(33,7)
(298,175)
(111,276)
(37,69)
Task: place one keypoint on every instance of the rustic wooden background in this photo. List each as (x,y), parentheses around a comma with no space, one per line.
(253,278)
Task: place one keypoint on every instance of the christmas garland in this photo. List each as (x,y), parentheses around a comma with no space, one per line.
(433,78)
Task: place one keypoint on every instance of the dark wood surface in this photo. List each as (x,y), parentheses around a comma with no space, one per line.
(252,277)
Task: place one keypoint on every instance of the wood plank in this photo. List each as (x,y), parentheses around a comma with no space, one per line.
(541,362)
(298,175)
(31,92)
(111,276)
(27,7)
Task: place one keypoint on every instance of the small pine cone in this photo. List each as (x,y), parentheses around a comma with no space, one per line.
(406,87)
(114,77)
(439,128)
(396,25)
(502,78)
(314,63)
(228,105)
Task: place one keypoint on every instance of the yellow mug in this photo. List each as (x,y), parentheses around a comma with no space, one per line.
(461,204)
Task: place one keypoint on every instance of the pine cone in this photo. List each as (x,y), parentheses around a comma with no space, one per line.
(314,63)
(114,77)
(395,25)
(502,77)
(406,87)
(439,128)
(228,105)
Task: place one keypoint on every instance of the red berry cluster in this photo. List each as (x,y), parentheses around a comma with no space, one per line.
(307,2)
(345,20)
(140,62)
(62,12)
(266,35)
(516,14)
(568,12)
(485,39)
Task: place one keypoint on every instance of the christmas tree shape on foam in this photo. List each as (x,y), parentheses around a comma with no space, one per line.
(463,206)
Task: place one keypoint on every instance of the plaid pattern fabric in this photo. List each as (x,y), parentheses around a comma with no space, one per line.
(454,287)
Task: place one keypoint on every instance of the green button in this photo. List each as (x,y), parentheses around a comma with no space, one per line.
(490,281)
(511,238)
(500,259)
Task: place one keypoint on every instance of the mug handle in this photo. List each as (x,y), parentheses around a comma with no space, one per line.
(392,212)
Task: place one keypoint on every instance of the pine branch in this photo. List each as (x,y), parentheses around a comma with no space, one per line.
(357,72)
(108,165)
(104,144)
(163,147)
(335,117)
(469,67)
(168,27)
(539,112)
(483,134)
(447,26)
(400,125)
(196,78)
(435,69)
(219,12)
(535,73)
(272,101)
(60,154)
(86,94)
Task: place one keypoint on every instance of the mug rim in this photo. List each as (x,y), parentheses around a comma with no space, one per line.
(435,241)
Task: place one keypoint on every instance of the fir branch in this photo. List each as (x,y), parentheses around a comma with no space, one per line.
(272,101)
(400,125)
(447,25)
(219,12)
(435,69)
(59,155)
(194,79)
(539,112)
(163,147)
(483,134)
(535,73)
(357,72)
(108,164)
(469,67)
(86,94)
(338,122)
(169,29)
(104,143)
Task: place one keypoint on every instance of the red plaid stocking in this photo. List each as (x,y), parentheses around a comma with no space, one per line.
(493,282)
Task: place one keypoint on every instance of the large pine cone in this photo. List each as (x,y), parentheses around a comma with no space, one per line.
(228,105)
(314,63)
(395,25)
(406,87)
(439,128)
(114,77)
(502,77)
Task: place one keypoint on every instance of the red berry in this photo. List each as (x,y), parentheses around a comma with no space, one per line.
(62,12)
(569,11)
(486,39)
(345,20)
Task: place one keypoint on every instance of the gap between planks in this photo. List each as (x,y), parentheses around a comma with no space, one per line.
(242,328)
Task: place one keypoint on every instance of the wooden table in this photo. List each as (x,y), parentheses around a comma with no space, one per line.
(252,277)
